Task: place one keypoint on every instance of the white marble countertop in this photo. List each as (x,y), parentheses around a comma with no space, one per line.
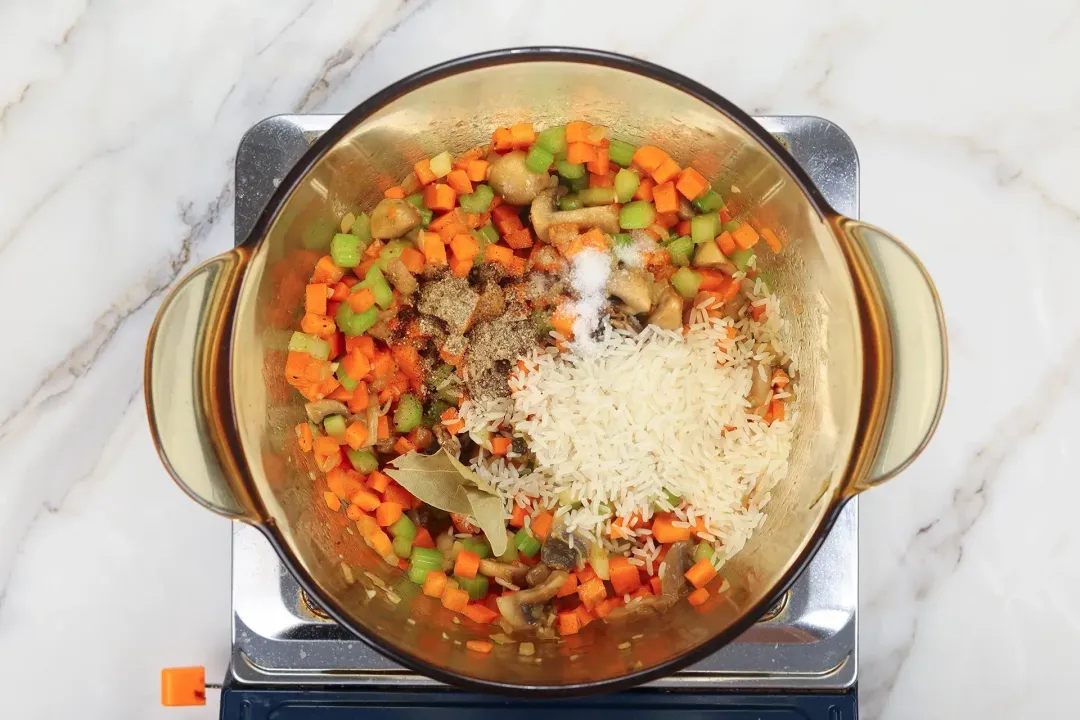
(118,125)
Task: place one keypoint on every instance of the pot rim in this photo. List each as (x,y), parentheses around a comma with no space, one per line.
(508,56)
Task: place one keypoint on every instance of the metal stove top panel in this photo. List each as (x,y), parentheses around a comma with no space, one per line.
(810,643)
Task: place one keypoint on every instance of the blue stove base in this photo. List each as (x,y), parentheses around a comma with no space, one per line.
(338,703)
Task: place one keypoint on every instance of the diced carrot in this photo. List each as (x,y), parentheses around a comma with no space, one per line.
(434,249)
(364,343)
(384,429)
(319,325)
(467,564)
(600,164)
(579,152)
(642,592)
(522,135)
(698,597)
(602,181)
(403,445)
(569,587)
(459,181)
(664,532)
(577,131)
(387,514)
(367,525)
(480,614)
(502,140)
(541,524)
(562,321)
(712,280)
(380,543)
(586,574)
(378,481)
(356,435)
(367,500)
(423,171)
(776,409)
(654,582)
(506,218)
(439,197)
(480,646)
(701,573)
(341,394)
(757,312)
(498,253)
(667,220)
(356,365)
(584,616)
(413,260)
(667,172)
(465,247)
(460,268)
(665,198)
(326,271)
(361,300)
(726,243)
(519,239)
(455,599)
(517,517)
(332,501)
(353,512)
(326,445)
(682,227)
(435,584)
(745,236)
(315,296)
(394,493)
(514,266)
(423,538)
(304,439)
(569,624)
(477,170)
(645,190)
(779,378)
(500,445)
(592,592)
(604,607)
(691,183)
(649,157)
(397,192)
(624,577)
(770,237)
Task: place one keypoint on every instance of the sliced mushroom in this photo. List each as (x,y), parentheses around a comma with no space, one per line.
(446,440)
(400,277)
(543,215)
(673,577)
(708,254)
(563,550)
(537,574)
(321,409)
(392,218)
(504,571)
(733,308)
(516,183)
(630,285)
(525,608)
(640,609)
(760,389)
(686,210)
(667,313)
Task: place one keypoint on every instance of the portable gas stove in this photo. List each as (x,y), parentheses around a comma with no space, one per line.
(289,661)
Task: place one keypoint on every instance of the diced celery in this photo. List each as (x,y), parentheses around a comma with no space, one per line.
(686,282)
(541,322)
(374,281)
(539,160)
(361,228)
(481,240)
(741,257)
(622,239)
(355,323)
(417,575)
(626,184)
(766,279)
(478,201)
(730,226)
(409,413)
(578,184)
(416,200)
(363,460)
(673,499)
(552,139)
(679,249)
(708,254)
(335,427)
(570,202)
(403,527)
(403,547)
(526,543)
(427,558)
(346,250)
(480,547)
(709,201)
(477,587)
(704,228)
(637,215)
(313,346)
(442,164)
(433,412)
(570,171)
(391,251)
(597,196)
(703,551)
(621,153)
(489,232)
(343,377)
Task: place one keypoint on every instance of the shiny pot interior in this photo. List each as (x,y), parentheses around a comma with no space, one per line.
(869,391)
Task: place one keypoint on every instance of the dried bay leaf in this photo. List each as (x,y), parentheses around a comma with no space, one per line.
(442,482)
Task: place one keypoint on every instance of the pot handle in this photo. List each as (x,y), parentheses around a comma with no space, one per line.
(186,359)
(920,361)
